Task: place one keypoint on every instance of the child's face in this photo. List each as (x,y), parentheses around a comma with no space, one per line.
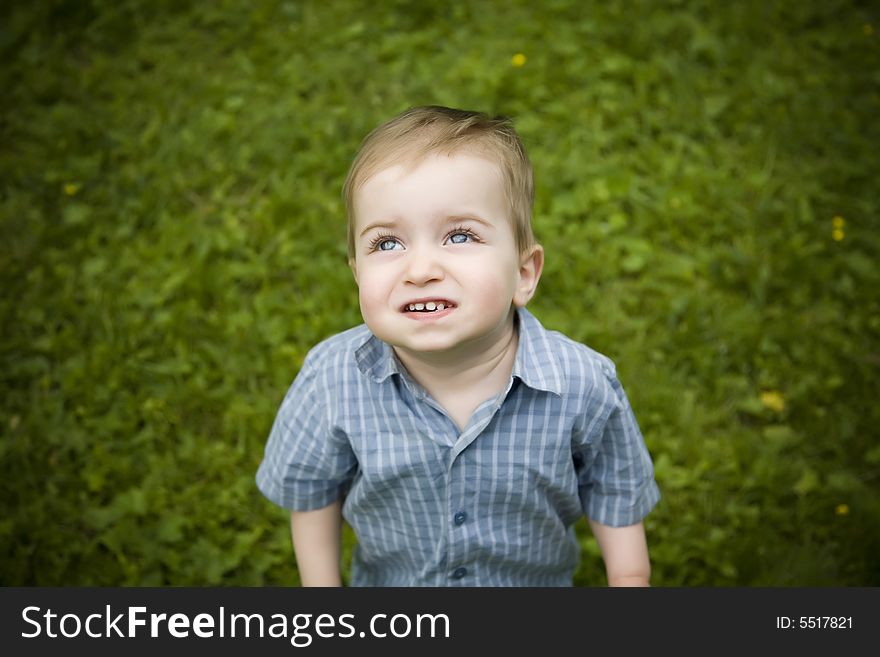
(439,236)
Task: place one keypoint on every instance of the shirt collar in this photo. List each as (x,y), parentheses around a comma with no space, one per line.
(535,364)
(376,359)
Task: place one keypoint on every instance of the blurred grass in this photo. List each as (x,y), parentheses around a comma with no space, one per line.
(172,242)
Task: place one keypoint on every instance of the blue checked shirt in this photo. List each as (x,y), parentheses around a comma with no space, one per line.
(492,505)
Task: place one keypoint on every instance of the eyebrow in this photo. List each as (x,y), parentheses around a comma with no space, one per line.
(451,219)
(468,217)
(379,224)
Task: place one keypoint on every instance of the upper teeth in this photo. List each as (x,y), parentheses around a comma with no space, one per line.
(427,306)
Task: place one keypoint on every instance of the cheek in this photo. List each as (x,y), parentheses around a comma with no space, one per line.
(366,293)
(373,290)
(497,281)
(370,310)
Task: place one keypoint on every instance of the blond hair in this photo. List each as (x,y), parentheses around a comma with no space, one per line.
(422,131)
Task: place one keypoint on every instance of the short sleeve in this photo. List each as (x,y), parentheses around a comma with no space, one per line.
(306,464)
(615,473)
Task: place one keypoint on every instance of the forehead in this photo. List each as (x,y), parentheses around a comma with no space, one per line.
(433,183)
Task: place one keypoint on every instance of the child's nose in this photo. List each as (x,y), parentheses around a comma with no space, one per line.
(423,266)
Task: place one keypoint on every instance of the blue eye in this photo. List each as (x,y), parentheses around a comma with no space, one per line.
(385,243)
(461,235)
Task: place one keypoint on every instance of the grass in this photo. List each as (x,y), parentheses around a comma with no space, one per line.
(173,242)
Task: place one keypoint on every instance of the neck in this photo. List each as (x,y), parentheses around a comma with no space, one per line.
(483,363)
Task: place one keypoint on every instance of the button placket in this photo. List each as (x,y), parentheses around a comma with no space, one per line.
(458,538)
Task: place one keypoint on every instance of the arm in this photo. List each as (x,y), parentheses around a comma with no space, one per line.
(316,536)
(625,551)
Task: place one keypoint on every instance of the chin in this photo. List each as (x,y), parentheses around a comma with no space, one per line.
(426,346)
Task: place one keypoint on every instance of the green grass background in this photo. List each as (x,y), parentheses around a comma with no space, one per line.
(172,242)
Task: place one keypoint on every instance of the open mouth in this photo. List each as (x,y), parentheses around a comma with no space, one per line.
(429,306)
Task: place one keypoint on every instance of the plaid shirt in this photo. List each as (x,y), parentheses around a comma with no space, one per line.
(492,505)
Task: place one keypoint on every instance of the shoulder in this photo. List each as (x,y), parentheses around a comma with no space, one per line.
(579,359)
(337,351)
(590,389)
(589,374)
(578,368)
(327,365)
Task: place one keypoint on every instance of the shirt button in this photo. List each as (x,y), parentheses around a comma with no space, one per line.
(458,573)
(459,518)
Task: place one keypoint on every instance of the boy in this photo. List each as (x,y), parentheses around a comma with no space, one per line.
(459,438)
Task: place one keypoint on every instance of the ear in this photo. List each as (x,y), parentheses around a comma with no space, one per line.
(530,266)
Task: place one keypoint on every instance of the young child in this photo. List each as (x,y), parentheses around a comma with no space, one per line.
(457,436)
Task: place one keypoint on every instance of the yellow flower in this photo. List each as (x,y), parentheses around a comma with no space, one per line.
(518,59)
(773,400)
(71,189)
(837,234)
(868,29)
(842,509)
(838,222)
